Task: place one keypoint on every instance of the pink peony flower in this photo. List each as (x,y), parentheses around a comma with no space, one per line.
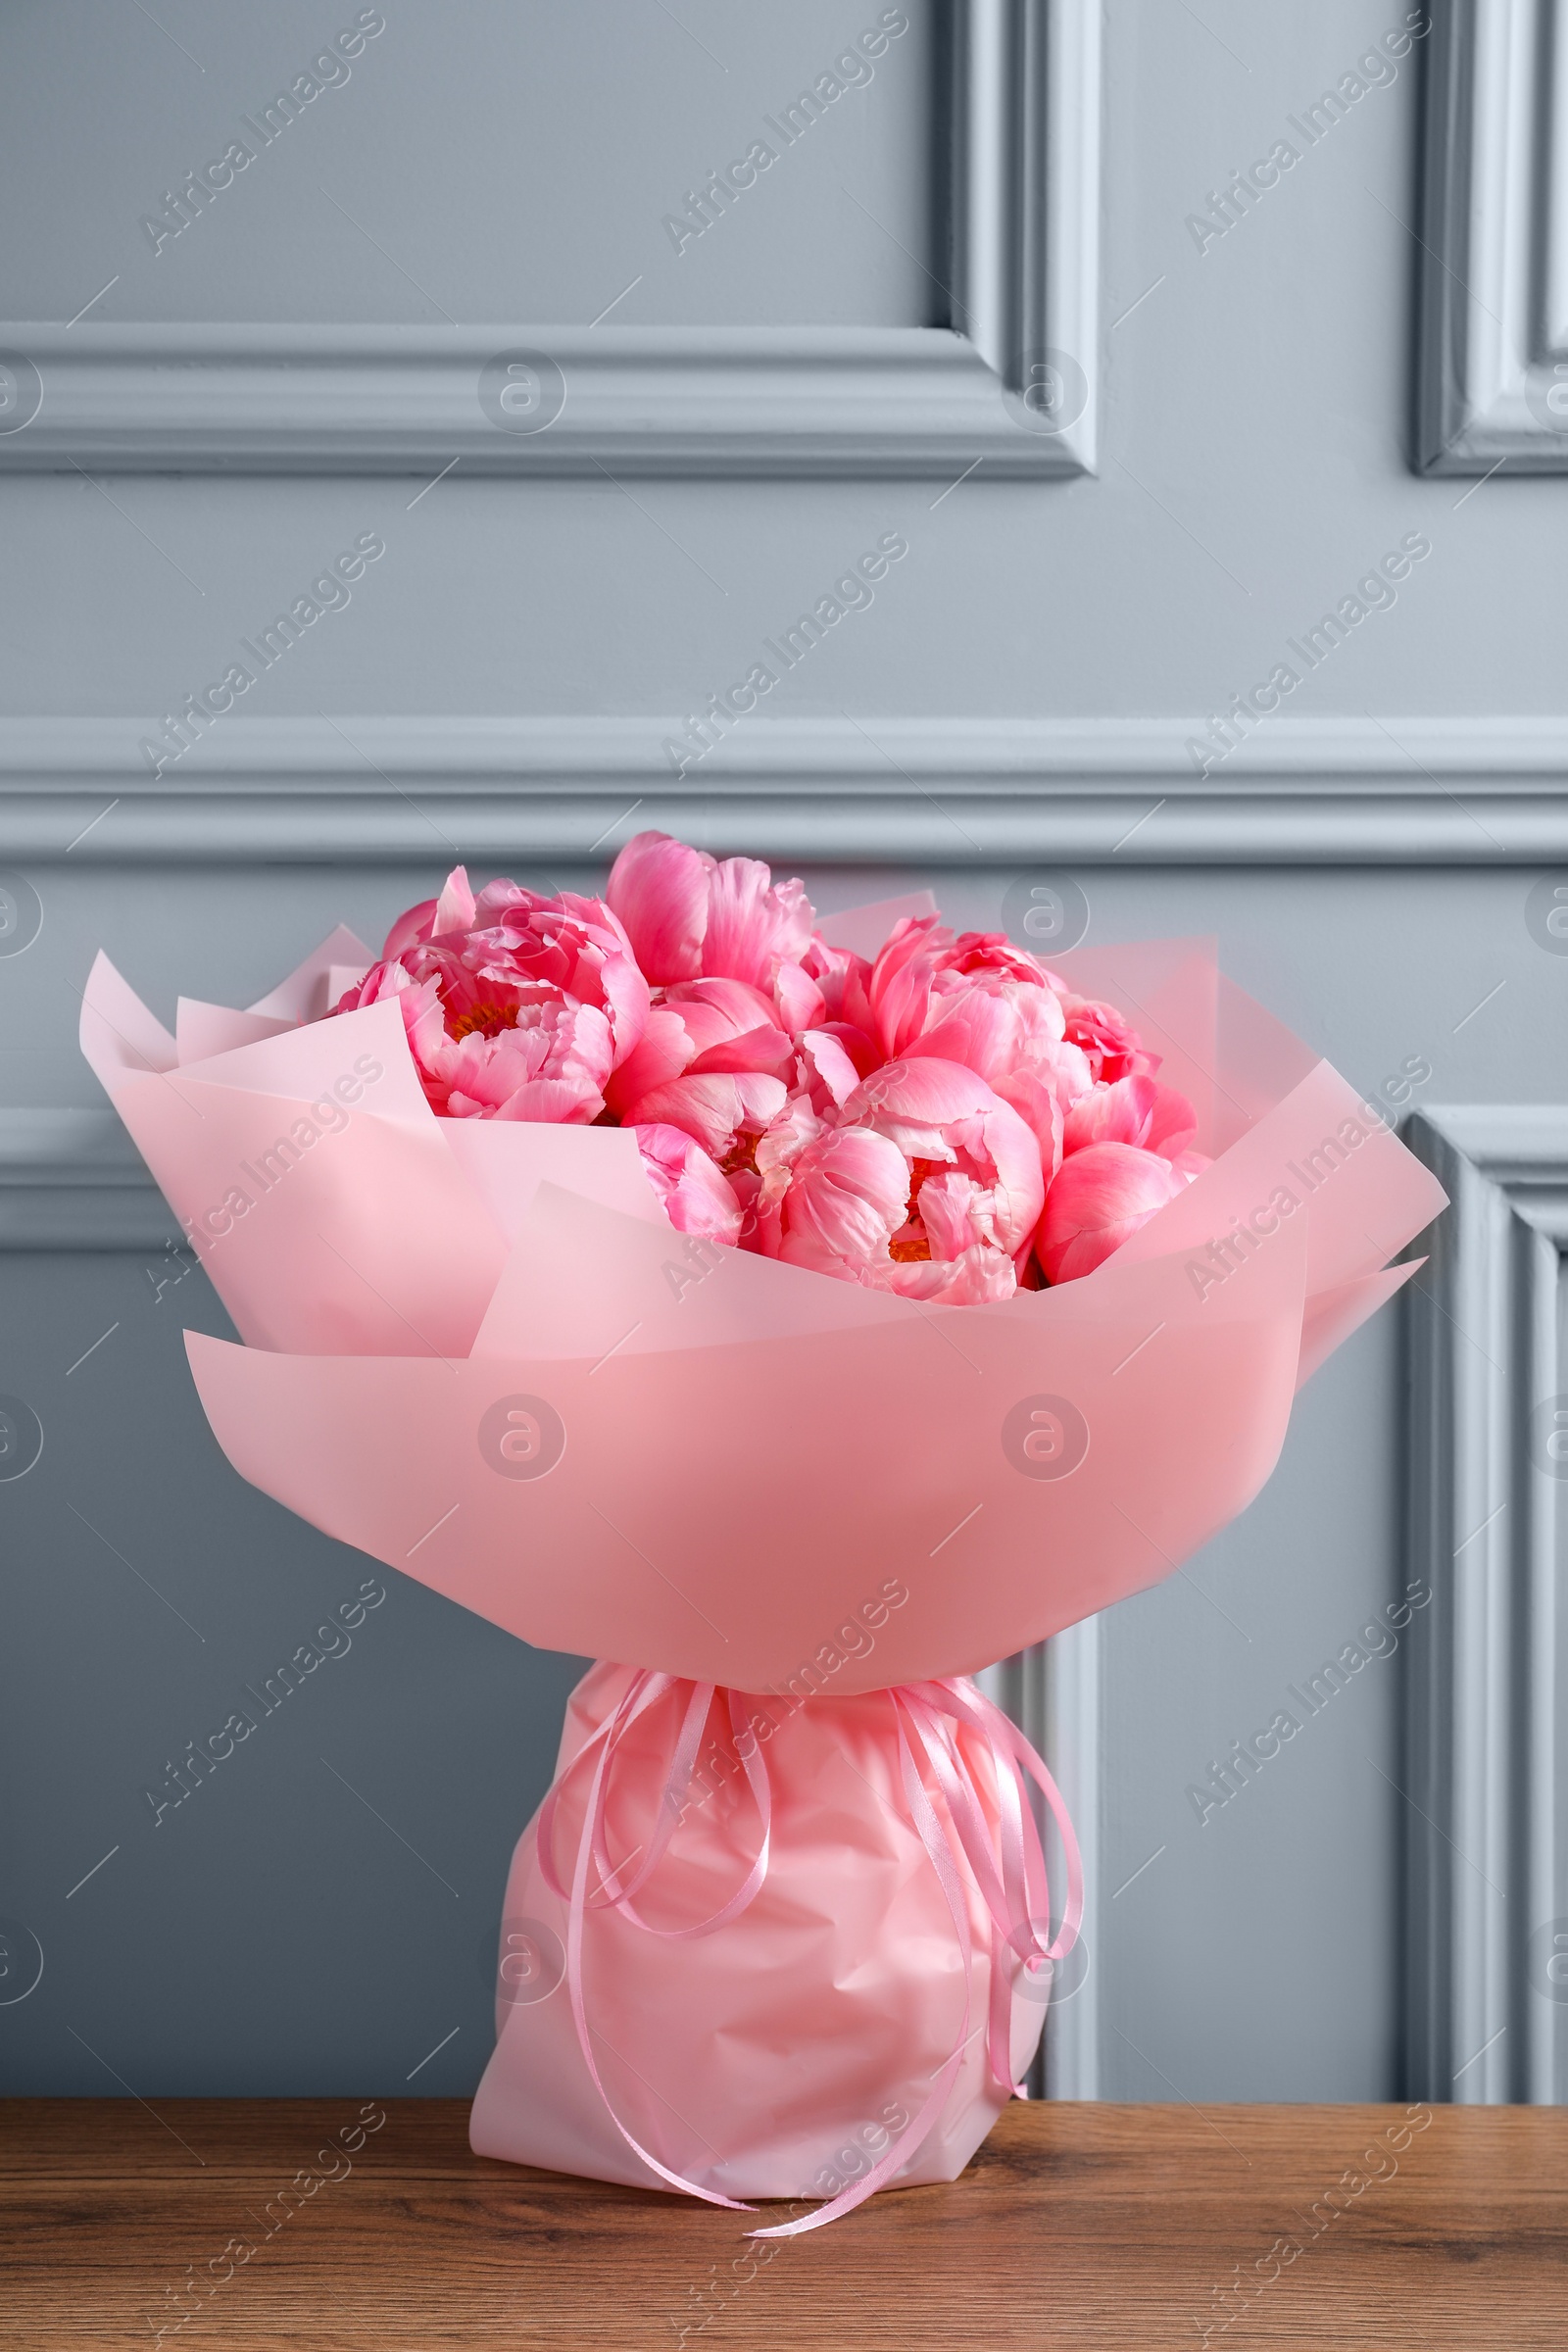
(922,1181)
(1108,1042)
(993,952)
(973,998)
(1103,1194)
(711,1061)
(516,1006)
(1133,1110)
(690,916)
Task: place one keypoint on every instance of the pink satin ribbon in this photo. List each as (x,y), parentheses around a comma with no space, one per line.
(1006,1865)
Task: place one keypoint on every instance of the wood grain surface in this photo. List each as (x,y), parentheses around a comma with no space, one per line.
(1075,2226)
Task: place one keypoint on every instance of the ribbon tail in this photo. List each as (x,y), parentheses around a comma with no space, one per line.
(579,1891)
(939,1848)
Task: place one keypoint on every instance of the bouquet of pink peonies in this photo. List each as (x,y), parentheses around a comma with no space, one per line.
(767,1074)
(525,1227)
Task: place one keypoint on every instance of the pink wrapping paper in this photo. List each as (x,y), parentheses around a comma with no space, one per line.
(741,1450)
(478,1351)
(771,2061)
(726,1507)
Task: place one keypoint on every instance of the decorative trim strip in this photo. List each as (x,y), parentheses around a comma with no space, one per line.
(1494,383)
(1053,1692)
(1486,1781)
(653,401)
(74,1180)
(907,791)
(1009,386)
(1072,1745)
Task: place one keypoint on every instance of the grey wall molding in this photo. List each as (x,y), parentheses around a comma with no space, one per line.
(74,1180)
(1053,1692)
(947,791)
(1493,366)
(1008,386)
(1487,1759)
(1065,1721)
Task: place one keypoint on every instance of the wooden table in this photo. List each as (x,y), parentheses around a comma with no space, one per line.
(1076,2225)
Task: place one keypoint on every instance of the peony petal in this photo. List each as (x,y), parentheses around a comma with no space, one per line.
(845,980)
(1103,1194)
(626,992)
(954,1211)
(762,1098)
(921,1090)
(1110,1042)
(974,951)
(1000,1146)
(846,1199)
(796,917)
(711,1109)
(743,922)
(901,980)
(658,888)
(1037,1105)
(695,1195)
(662,1053)
(411,926)
(978,1028)
(766,1049)
(1173,1125)
(707,1109)
(728,1006)
(800,1002)
(1110,1114)
(825,1054)
(976,1279)
(454,909)
(557,1101)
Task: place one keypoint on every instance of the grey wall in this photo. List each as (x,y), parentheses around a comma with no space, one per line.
(1365,861)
